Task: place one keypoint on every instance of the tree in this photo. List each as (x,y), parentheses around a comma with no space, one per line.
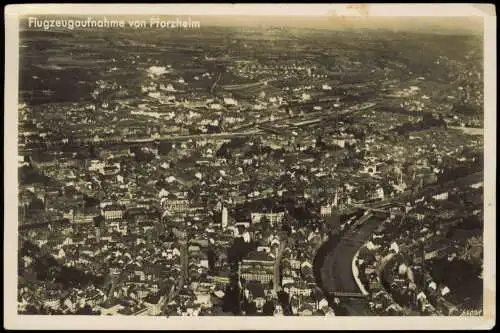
(224,151)
(284,299)
(90,201)
(93,151)
(86,310)
(340,310)
(268,309)
(251,309)
(318,294)
(230,302)
(212,257)
(142,157)
(265,224)
(239,249)
(31,310)
(164,148)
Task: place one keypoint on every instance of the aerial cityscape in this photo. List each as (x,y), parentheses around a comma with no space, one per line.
(250,171)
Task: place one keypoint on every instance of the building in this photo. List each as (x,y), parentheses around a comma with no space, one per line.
(230,101)
(254,274)
(137,214)
(98,234)
(273,218)
(113,212)
(446,307)
(174,205)
(256,293)
(441,196)
(52,299)
(326,210)
(221,281)
(96,165)
(258,266)
(435,250)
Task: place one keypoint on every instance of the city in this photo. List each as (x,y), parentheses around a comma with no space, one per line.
(229,171)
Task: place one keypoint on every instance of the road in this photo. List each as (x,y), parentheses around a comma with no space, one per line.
(176,288)
(219,76)
(246,85)
(277,267)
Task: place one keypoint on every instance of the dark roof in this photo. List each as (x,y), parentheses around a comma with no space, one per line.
(136,211)
(153,299)
(259,256)
(424,210)
(98,218)
(113,207)
(437,245)
(44,158)
(53,223)
(256,289)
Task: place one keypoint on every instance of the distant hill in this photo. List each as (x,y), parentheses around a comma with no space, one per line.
(435,25)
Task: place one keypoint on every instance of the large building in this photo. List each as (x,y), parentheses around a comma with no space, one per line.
(113,212)
(274,218)
(173,205)
(257,266)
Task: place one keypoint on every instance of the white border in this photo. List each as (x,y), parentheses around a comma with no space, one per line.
(14,321)
(254,9)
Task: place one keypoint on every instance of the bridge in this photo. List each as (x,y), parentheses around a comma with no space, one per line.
(344,294)
(376,210)
(272,130)
(362,219)
(246,85)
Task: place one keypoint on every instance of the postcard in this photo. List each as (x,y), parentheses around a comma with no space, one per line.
(250,166)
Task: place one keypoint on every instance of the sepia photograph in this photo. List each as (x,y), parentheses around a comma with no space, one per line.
(227,162)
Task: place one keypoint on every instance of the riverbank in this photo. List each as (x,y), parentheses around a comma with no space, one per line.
(355,274)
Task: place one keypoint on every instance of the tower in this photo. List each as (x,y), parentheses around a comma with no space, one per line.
(224,218)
